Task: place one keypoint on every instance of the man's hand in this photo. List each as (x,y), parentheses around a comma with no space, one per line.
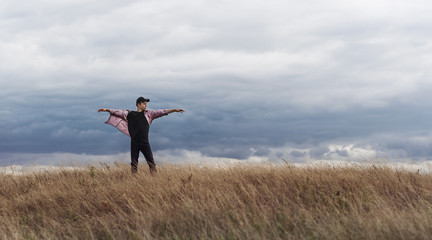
(103,110)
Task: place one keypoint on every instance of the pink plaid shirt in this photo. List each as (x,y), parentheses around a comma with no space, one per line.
(118,119)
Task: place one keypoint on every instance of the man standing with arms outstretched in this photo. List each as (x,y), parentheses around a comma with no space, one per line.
(136,124)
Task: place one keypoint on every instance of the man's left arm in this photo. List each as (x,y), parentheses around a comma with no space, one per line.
(175,110)
(159,113)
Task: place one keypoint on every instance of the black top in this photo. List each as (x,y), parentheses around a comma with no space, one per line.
(138,127)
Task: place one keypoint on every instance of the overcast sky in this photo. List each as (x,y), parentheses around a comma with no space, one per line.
(274,80)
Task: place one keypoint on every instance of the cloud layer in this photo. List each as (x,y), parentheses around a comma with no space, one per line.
(280,79)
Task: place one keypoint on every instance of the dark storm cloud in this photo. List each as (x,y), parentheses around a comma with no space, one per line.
(217,129)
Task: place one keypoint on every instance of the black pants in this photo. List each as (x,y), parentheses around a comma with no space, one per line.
(146,151)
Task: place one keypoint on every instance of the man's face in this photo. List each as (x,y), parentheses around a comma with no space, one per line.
(143,105)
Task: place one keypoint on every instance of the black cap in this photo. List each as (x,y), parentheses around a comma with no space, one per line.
(141,99)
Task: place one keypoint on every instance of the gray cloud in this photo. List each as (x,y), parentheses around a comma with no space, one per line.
(298,154)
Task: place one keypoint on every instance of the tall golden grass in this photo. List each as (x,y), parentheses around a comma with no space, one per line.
(238,202)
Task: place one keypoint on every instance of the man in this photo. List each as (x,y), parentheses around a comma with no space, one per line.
(136,124)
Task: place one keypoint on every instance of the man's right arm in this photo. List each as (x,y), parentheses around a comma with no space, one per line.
(119,113)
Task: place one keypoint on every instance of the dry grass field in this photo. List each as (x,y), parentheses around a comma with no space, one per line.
(238,202)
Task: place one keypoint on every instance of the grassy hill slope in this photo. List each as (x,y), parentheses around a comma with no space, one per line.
(238,202)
